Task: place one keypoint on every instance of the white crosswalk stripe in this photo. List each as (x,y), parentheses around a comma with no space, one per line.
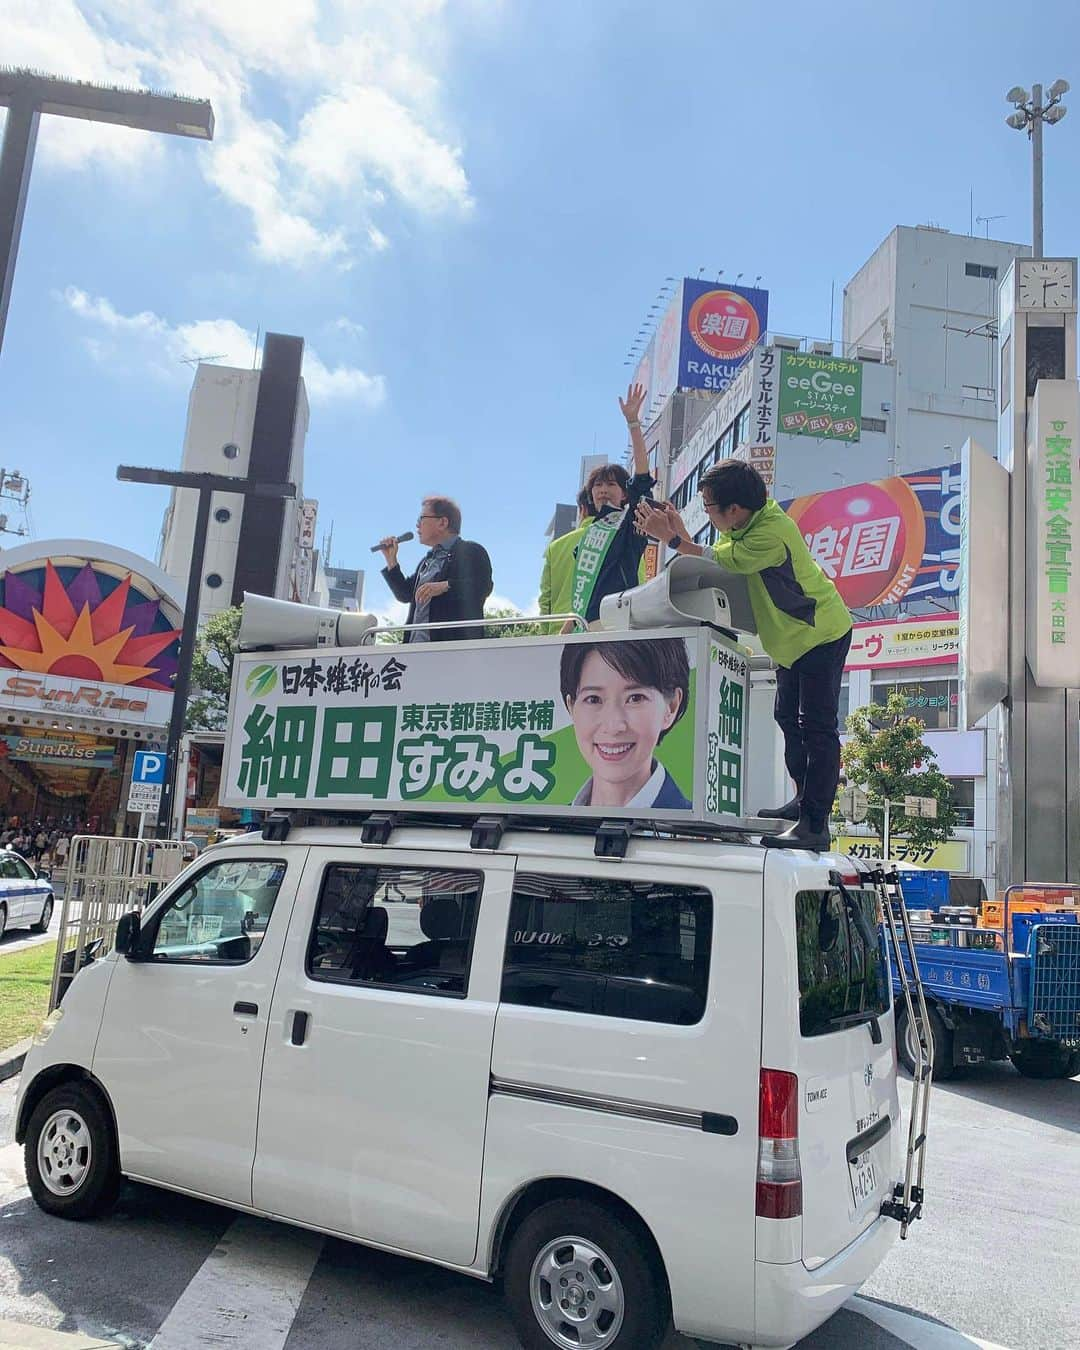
(247,1291)
(917,1332)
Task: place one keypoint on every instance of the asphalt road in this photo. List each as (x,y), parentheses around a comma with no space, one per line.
(994,1261)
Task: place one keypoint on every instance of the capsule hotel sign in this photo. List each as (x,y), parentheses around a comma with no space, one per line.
(1053,536)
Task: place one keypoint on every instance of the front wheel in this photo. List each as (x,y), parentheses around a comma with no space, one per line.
(578,1275)
(42,925)
(941,1043)
(1040,1059)
(72,1167)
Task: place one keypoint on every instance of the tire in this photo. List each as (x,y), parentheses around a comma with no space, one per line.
(42,925)
(72,1167)
(3,920)
(1046,1061)
(941,1038)
(620,1275)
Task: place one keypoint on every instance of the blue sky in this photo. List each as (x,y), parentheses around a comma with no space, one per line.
(467,209)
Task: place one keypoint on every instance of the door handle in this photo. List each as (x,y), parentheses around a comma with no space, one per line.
(299,1028)
(246,1009)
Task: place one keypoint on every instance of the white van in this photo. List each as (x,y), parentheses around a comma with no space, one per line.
(640,1089)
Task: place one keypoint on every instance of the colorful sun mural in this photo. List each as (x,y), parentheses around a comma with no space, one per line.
(86,623)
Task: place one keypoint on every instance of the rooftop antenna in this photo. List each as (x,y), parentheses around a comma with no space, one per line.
(198,360)
(986,220)
(255,351)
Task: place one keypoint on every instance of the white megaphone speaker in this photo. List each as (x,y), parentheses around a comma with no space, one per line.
(281,625)
(688,591)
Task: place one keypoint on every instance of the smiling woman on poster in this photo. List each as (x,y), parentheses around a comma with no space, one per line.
(623,699)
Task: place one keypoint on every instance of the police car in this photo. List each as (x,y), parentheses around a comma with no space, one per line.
(26,896)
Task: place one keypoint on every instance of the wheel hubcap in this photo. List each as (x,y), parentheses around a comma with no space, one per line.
(64,1152)
(577,1295)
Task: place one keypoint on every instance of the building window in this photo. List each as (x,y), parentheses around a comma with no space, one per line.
(213,580)
(609,947)
(844,705)
(230,450)
(962,792)
(980,270)
(222,514)
(874,424)
(936,703)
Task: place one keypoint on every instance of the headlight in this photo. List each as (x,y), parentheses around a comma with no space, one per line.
(48,1026)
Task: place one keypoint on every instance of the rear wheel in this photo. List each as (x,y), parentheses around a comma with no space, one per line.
(907,1045)
(1040,1060)
(71,1162)
(42,925)
(578,1275)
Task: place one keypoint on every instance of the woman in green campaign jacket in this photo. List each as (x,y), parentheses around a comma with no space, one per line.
(803,624)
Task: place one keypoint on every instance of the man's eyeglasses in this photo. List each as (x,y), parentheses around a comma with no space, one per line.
(428,517)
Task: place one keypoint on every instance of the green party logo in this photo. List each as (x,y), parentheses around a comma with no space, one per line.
(261,681)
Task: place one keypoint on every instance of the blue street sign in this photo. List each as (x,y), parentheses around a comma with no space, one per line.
(149,767)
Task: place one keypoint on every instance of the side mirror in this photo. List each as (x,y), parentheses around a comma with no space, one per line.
(45,873)
(127,934)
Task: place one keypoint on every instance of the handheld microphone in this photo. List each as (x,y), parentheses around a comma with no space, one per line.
(401,539)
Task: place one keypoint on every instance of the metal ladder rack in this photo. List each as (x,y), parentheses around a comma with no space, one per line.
(907,1199)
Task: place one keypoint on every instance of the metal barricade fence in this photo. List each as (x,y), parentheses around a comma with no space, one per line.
(105,877)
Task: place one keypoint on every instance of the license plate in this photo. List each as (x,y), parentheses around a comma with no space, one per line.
(863,1177)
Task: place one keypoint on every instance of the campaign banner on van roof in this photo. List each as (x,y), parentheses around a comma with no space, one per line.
(606,724)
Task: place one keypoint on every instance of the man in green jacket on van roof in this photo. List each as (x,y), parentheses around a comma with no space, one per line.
(803,625)
(557,578)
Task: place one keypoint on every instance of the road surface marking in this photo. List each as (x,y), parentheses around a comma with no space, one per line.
(917,1332)
(247,1291)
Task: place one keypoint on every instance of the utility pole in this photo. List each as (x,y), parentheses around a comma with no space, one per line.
(206,484)
(27,95)
(1029,116)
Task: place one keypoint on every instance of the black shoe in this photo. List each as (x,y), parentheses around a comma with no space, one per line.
(801,835)
(789,811)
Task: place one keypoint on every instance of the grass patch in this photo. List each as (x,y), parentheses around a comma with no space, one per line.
(25,978)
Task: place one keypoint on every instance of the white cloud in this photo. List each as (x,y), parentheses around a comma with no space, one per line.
(363,134)
(146,340)
(327,111)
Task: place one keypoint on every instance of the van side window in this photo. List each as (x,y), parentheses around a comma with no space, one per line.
(615,948)
(404,927)
(839,973)
(221,915)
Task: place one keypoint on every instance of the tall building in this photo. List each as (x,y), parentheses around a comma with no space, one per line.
(247,423)
(927,301)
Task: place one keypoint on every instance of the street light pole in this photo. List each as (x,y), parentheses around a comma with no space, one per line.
(206,484)
(1030,114)
(1036,175)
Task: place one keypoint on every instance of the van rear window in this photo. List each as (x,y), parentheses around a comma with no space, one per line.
(843,969)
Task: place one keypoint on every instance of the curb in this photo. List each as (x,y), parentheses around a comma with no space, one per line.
(11,1062)
(25,1336)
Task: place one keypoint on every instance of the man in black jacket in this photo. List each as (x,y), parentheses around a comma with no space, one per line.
(452,581)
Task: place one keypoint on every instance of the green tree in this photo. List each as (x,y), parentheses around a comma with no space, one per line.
(887,757)
(211,671)
(510,629)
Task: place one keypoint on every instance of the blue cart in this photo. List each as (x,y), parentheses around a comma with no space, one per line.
(1021,1004)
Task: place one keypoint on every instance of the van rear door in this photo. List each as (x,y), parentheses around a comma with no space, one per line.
(825,950)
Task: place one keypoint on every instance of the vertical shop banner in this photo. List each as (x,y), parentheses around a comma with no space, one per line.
(604,724)
(892,540)
(721,325)
(820,396)
(765,378)
(1053,530)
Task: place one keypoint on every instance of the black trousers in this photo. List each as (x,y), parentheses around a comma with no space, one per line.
(807,703)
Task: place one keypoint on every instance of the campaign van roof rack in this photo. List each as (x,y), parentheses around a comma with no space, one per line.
(487,829)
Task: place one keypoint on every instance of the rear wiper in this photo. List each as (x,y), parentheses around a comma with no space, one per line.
(853,1019)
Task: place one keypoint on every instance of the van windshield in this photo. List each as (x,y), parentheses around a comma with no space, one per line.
(841,972)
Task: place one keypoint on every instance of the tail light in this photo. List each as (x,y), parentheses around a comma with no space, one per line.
(779,1173)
